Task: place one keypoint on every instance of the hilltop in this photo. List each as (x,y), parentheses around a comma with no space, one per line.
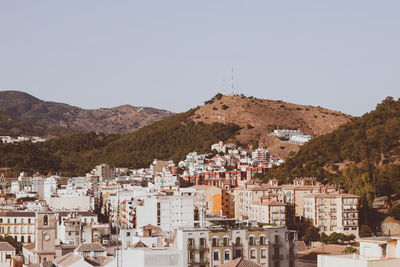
(258,117)
(46,114)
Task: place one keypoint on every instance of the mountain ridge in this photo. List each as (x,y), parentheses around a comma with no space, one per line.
(121,119)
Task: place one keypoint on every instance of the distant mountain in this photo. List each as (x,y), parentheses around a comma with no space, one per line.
(258,117)
(120,119)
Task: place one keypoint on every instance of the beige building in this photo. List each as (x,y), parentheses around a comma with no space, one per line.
(18,224)
(333,212)
(220,245)
(268,211)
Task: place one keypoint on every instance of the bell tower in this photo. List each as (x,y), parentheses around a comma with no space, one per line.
(45,235)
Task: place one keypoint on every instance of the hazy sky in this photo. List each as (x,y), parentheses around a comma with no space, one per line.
(343,55)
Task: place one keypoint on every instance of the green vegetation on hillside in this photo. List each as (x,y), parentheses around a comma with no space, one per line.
(76,154)
(14,126)
(362,155)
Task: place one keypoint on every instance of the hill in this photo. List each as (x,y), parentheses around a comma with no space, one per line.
(120,119)
(258,117)
(171,138)
(363,155)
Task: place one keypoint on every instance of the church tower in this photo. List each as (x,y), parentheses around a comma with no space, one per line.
(45,235)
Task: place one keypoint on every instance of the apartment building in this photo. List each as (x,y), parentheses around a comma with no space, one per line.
(282,246)
(246,196)
(18,224)
(294,193)
(220,245)
(335,212)
(166,211)
(268,211)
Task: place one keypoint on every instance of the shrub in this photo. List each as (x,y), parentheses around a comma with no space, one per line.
(365,231)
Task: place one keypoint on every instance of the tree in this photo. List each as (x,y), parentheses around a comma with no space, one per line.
(349,250)
(312,234)
(365,231)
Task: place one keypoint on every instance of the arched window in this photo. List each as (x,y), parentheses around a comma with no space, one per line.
(46,220)
(238,241)
(252,241)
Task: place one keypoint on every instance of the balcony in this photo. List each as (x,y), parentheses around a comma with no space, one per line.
(201,247)
(276,245)
(191,247)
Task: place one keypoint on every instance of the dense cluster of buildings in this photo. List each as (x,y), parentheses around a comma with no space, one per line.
(207,210)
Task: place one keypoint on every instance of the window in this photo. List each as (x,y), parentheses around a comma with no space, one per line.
(216,255)
(15,220)
(262,240)
(226,241)
(202,242)
(252,254)
(46,220)
(238,241)
(22,239)
(29,220)
(8,256)
(190,243)
(191,256)
(263,253)
(227,255)
(215,242)
(202,256)
(252,241)
(128,233)
(29,239)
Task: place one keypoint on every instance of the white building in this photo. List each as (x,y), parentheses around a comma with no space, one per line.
(285,133)
(6,253)
(168,212)
(300,139)
(374,252)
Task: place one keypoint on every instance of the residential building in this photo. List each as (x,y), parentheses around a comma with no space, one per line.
(268,211)
(7,252)
(166,211)
(335,212)
(282,246)
(18,224)
(374,251)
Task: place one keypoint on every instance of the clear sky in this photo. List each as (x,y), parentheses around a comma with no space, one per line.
(339,54)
